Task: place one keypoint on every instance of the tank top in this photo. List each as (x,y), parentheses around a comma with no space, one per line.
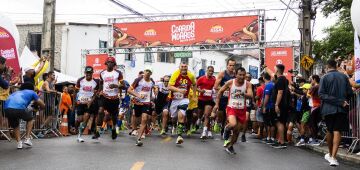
(226,78)
(236,100)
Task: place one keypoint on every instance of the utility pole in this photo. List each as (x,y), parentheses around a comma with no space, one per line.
(48,31)
(305,18)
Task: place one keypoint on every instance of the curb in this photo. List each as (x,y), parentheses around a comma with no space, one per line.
(343,156)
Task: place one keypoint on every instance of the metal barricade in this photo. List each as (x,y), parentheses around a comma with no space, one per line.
(354,122)
(4,124)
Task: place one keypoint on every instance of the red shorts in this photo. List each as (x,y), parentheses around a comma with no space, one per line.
(240,114)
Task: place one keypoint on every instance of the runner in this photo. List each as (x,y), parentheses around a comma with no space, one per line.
(221,79)
(124,107)
(162,102)
(110,82)
(180,83)
(205,86)
(87,88)
(240,90)
(142,89)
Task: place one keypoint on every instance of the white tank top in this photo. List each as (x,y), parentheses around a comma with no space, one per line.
(237,101)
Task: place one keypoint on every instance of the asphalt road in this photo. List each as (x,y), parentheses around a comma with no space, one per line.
(157,153)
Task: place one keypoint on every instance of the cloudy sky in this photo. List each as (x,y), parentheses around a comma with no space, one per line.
(98,11)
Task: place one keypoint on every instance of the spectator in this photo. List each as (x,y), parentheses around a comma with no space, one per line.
(334,91)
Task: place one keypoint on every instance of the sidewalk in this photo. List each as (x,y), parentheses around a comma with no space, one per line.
(342,153)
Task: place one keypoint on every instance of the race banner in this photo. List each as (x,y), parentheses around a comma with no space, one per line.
(357,57)
(280,55)
(8,50)
(186,32)
(97,61)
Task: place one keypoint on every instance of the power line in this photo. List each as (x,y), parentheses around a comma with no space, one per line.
(288,5)
(150,6)
(282,29)
(281,20)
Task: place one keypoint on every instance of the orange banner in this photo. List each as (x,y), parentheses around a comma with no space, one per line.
(186,32)
(97,61)
(280,55)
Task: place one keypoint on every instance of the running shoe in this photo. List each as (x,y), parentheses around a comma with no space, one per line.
(117,130)
(314,143)
(81,140)
(19,145)
(179,140)
(188,133)
(300,143)
(230,150)
(209,135)
(96,135)
(333,162)
(217,128)
(243,138)
(139,143)
(279,146)
(270,142)
(203,135)
(327,157)
(113,134)
(28,142)
(193,130)
(226,143)
(162,132)
(40,135)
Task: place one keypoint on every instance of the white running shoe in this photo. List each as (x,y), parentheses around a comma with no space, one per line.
(209,135)
(28,142)
(143,136)
(81,140)
(358,154)
(173,131)
(19,145)
(179,140)
(134,133)
(333,162)
(203,135)
(327,157)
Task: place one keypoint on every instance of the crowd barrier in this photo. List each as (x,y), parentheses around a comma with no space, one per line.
(354,122)
(46,123)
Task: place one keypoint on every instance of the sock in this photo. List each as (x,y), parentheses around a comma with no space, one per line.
(180,129)
(227,133)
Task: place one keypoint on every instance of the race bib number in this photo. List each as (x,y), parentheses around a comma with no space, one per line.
(208,93)
(226,93)
(237,104)
(146,96)
(178,96)
(84,99)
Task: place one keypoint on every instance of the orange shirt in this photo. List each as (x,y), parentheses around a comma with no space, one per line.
(65,99)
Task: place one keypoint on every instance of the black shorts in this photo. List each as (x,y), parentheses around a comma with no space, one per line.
(283,116)
(269,117)
(223,104)
(315,118)
(337,122)
(203,103)
(14,115)
(81,109)
(111,105)
(160,107)
(294,117)
(140,109)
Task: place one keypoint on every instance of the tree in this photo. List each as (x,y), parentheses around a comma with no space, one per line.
(339,39)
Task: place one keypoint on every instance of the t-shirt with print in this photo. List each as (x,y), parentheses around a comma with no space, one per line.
(86,89)
(182,82)
(143,87)
(106,79)
(207,84)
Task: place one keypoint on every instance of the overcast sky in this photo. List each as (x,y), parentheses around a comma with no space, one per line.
(97,11)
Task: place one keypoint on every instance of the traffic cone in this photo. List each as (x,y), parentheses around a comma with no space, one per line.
(64,129)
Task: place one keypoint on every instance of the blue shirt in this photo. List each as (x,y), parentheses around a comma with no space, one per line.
(268,91)
(21,99)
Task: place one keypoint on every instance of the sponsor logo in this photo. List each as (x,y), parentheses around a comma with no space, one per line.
(8,54)
(279,53)
(4,34)
(97,63)
(150,33)
(217,29)
(279,62)
(87,88)
(183,33)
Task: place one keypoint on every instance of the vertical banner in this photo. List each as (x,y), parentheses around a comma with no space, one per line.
(8,50)
(97,61)
(357,57)
(280,55)
(254,71)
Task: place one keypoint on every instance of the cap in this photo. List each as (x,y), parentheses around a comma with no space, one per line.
(111,59)
(28,69)
(89,69)
(148,68)
(306,86)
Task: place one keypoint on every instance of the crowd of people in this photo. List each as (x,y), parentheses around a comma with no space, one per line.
(182,104)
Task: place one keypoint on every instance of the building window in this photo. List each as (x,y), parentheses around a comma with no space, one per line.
(102,44)
(129,56)
(148,57)
(34,42)
(165,57)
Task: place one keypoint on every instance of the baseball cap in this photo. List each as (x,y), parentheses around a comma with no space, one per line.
(148,68)
(111,59)
(306,86)
(89,69)
(28,69)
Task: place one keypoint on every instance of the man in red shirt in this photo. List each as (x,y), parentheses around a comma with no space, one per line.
(259,117)
(205,86)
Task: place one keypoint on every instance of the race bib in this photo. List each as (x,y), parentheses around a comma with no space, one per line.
(178,96)
(146,96)
(84,99)
(237,104)
(208,93)
(226,93)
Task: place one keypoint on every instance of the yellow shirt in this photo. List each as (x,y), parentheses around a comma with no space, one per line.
(193,104)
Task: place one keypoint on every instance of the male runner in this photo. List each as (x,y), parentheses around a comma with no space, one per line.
(110,82)
(142,89)
(180,83)
(239,91)
(221,79)
(162,102)
(87,87)
(205,86)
